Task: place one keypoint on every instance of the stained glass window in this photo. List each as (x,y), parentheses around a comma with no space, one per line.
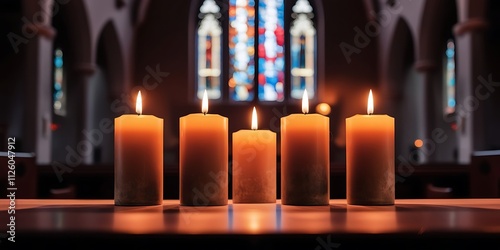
(302,50)
(256,50)
(450,78)
(209,51)
(241,49)
(271,50)
(59,86)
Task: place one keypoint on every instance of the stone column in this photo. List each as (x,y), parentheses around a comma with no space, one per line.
(428,100)
(470,64)
(85,147)
(38,79)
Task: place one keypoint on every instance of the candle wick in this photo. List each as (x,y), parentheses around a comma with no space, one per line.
(204,113)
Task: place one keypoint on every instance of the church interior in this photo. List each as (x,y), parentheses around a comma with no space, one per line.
(70,67)
(432,65)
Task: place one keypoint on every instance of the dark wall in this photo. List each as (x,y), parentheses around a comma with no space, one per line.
(12,54)
(492,49)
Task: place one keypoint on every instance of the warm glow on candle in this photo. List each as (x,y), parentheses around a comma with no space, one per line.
(369,109)
(254,178)
(370,158)
(138,104)
(138,157)
(204,103)
(254,119)
(305,157)
(305,102)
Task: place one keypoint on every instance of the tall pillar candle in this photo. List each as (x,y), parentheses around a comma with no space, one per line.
(370,158)
(305,158)
(203,158)
(138,159)
(254,165)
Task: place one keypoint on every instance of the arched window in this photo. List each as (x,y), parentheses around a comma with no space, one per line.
(256,34)
(209,51)
(303,50)
(449,81)
(59,86)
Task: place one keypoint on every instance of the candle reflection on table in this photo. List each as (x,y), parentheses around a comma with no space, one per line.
(145,220)
(200,219)
(254,218)
(371,219)
(308,219)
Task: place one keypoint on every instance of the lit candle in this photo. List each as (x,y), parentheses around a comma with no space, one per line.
(370,158)
(254,165)
(203,158)
(138,158)
(305,158)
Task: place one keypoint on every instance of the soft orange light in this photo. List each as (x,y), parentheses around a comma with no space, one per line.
(418,143)
(254,223)
(232,83)
(254,119)
(369,109)
(138,104)
(305,102)
(204,103)
(323,108)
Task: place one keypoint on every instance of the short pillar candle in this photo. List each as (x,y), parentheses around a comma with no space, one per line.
(254,165)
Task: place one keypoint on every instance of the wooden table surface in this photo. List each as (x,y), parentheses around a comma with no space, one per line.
(415,223)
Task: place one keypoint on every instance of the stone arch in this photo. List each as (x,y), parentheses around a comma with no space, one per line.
(108,44)
(401,54)
(405,90)
(438,19)
(74,16)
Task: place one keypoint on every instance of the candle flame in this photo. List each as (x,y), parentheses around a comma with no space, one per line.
(369,109)
(204,103)
(138,104)
(254,119)
(305,102)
